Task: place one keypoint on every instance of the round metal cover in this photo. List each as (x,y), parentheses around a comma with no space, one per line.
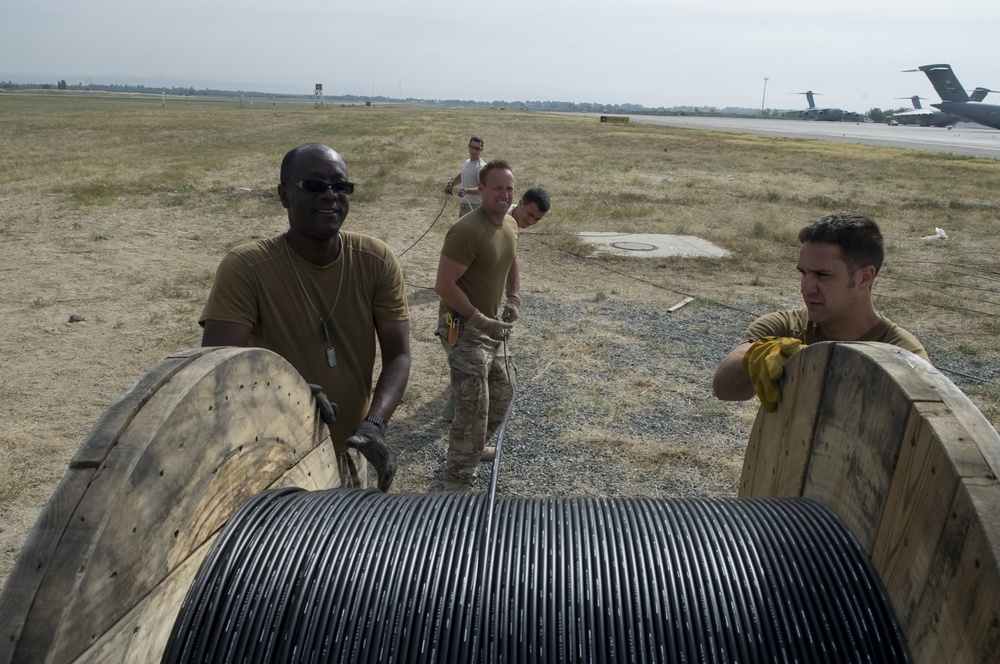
(633,246)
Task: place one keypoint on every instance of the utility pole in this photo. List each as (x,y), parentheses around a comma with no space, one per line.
(763,98)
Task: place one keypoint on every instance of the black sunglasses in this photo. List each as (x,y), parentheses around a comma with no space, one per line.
(320,187)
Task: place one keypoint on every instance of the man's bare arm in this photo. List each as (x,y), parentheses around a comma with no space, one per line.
(446,286)
(731,381)
(394,344)
(513,285)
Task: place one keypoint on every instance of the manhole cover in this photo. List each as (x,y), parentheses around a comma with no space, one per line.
(633,246)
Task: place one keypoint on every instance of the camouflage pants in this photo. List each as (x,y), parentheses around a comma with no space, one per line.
(465,208)
(482,391)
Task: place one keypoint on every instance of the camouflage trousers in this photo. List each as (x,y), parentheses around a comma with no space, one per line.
(482,383)
(465,208)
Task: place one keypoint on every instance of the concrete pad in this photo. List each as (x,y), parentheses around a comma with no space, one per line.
(647,245)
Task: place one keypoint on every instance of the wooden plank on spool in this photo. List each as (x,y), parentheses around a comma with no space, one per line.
(32,564)
(910,465)
(937,454)
(781,442)
(957,619)
(232,423)
(861,424)
(142,634)
(986,438)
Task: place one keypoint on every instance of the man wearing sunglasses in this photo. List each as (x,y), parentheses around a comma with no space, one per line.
(468,179)
(321,297)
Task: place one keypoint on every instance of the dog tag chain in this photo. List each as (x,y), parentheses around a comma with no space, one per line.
(331,354)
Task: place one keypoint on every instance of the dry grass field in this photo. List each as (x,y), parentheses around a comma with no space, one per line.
(118,211)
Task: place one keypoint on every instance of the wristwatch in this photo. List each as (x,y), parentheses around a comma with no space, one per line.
(377,420)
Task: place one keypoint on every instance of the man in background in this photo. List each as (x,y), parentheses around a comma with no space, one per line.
(530,209)
(474,272)
(468,178)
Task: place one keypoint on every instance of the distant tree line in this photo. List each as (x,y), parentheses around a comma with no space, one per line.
(876,114)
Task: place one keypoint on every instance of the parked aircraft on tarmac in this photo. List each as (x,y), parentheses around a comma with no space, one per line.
(924,117)
(827,114)
(955,100)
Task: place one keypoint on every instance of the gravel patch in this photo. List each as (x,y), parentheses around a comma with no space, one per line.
(614,399)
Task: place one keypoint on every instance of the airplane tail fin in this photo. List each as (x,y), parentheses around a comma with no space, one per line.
(979,94)
(915,100)
(809,98)
(944,81)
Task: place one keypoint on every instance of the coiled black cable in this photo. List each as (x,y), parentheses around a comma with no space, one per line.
(362,576)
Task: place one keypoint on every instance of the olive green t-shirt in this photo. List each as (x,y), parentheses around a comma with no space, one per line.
(256,286)
(795,323)
(488,251)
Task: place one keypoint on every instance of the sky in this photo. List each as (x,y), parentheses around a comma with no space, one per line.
(657,53)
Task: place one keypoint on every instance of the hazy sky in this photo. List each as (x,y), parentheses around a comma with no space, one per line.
(649,52)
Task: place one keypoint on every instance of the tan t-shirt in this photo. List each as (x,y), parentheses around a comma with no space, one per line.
(795,323)
(255,286)
(488,251)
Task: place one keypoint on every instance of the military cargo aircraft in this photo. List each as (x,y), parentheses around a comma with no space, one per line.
(955,100)
(924,117)
(826,114)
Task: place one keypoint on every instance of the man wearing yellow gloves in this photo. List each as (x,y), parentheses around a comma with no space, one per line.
(839,257)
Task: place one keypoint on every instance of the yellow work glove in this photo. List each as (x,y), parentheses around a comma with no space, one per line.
(765,362)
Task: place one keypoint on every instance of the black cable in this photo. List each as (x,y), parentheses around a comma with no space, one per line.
(415,242)
(361,576)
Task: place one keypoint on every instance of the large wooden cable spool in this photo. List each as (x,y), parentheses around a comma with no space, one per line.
(911,466)
(103,572)
(876,435)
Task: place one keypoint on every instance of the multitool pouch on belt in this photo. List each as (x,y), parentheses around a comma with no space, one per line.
(454,323)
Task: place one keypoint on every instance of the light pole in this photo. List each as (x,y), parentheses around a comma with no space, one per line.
(763,98)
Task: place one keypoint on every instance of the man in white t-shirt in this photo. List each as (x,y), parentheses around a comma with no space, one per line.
(468,179)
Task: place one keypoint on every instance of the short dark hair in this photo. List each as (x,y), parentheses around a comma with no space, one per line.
(496,163)
(858,237)
(478,140)
(539,197)
(289,158)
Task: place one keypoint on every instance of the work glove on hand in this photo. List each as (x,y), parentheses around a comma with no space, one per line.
(490,326)
(448,188)
(327,410)
(461,192)
(369,439)
(511,308)
(765,362)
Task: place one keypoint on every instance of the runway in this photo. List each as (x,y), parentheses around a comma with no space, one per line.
(965,139)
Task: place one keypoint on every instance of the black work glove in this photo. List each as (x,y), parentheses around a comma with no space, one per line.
(448,188)
(369,439)
(327,410)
